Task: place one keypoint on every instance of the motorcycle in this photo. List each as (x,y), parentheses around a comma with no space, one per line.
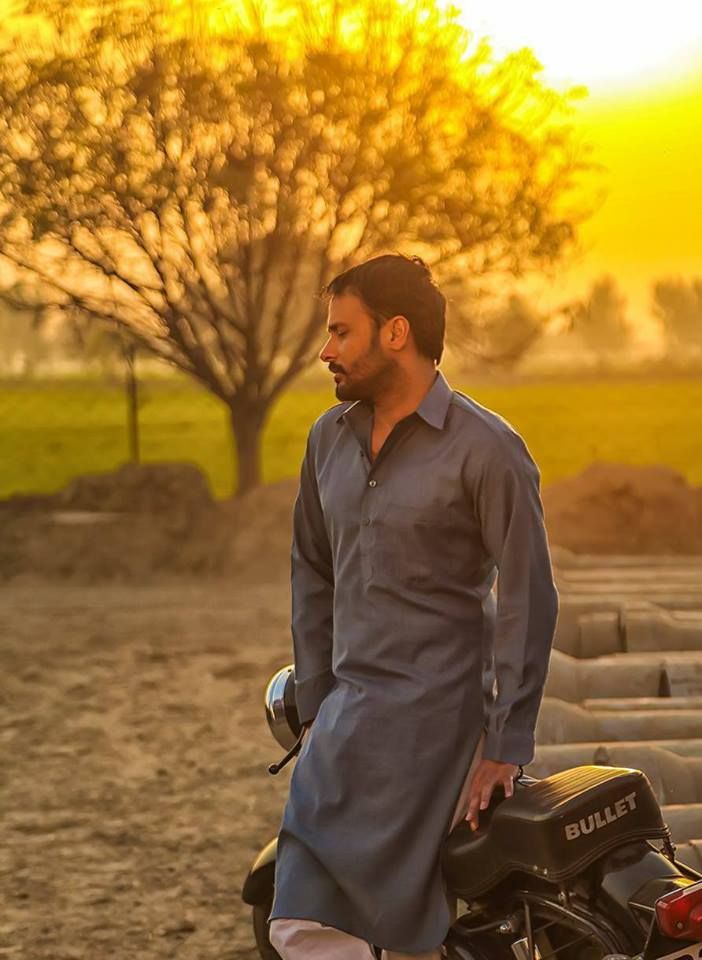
(566,867)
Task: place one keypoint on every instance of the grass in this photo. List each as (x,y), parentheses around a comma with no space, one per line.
(49,432)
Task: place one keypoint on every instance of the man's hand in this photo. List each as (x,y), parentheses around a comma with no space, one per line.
(488,775)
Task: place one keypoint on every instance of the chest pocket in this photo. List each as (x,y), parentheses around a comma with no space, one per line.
(420,546)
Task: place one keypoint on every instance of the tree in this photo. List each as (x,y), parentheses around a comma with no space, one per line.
(115,349)
(22,346)
(601,319)
(199,182)
(105,345)
(500,334)
(678,305)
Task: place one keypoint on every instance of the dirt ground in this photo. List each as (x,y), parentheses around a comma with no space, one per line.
(134,751)
(133,745)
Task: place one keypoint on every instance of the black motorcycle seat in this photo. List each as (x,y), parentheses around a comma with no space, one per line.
(552,828)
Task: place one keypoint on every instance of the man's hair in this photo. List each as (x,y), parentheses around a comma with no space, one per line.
(395,284)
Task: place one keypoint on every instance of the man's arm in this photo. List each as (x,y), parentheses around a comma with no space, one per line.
(511,519)
(510,513)
(312,579)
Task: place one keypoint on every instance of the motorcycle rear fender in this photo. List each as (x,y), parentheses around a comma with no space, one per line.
(633,877)
(659,947)
(258,886)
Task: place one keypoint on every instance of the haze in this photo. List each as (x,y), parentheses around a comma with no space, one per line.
(642,65)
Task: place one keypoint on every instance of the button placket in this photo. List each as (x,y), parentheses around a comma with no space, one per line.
(365,546)
(366,531)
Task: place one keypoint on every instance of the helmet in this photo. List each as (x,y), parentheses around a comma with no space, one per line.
(281,709)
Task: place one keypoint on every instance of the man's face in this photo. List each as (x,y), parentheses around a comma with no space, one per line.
(354,351)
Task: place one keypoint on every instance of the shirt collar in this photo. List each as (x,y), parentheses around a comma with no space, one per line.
(432,409)
(434,406)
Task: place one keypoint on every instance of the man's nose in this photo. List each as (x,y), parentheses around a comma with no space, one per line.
(326,354)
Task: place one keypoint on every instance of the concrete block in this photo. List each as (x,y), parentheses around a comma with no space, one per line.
(557,752)
(674,779)
(561,722)
(655,630)
(683,676)
(627,704)
(600,633)
(639,580)
(621,676)
(568,560)
(691,854)
(564,677)
(684,820)
(571,609)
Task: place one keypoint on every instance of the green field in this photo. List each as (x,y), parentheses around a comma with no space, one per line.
(50,432)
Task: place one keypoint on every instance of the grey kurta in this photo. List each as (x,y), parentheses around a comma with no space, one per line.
(393,564)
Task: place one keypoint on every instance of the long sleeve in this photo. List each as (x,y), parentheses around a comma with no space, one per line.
(510,514)
(312,579)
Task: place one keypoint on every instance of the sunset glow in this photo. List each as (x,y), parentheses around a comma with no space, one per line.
(641,63)
(638,65)
(603,44)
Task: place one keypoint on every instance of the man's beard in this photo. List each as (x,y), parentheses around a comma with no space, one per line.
(369,377)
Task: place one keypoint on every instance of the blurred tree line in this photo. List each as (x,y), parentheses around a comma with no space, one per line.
(184,179)
(497,336)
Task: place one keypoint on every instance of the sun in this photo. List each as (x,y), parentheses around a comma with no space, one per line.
(607,45)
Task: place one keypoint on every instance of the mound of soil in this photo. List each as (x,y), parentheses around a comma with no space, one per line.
(131,488)
(260,527)
(142,521)
(139,488)
(616,508)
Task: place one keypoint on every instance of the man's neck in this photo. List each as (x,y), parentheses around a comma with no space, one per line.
(403,398)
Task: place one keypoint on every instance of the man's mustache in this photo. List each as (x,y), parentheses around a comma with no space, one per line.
(335,368)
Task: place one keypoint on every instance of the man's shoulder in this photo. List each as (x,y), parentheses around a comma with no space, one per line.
(488,424)
(492,439)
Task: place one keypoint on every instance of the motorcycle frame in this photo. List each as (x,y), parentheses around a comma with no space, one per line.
(634,939)
(461,937)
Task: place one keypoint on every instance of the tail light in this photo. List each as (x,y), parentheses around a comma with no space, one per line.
(679,913)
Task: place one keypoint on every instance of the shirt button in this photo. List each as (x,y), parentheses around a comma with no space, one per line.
(372,483)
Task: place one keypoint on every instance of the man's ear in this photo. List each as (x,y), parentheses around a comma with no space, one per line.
(399,331)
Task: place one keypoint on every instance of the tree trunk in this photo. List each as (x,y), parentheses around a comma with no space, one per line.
(132,402)
(247,428)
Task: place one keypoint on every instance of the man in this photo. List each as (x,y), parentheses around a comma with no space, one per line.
(412,497)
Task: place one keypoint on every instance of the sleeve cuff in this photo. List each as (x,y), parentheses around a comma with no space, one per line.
(309,694)
(505,747)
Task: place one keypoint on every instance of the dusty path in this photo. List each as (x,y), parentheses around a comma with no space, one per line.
(133,753)
(134,790)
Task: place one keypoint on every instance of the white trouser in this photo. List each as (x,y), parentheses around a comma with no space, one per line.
(295,939)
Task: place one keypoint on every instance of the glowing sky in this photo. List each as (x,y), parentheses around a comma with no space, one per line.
(642,63)
(606,44)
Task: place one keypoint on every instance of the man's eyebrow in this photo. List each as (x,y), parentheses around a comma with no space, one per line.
(334,327)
